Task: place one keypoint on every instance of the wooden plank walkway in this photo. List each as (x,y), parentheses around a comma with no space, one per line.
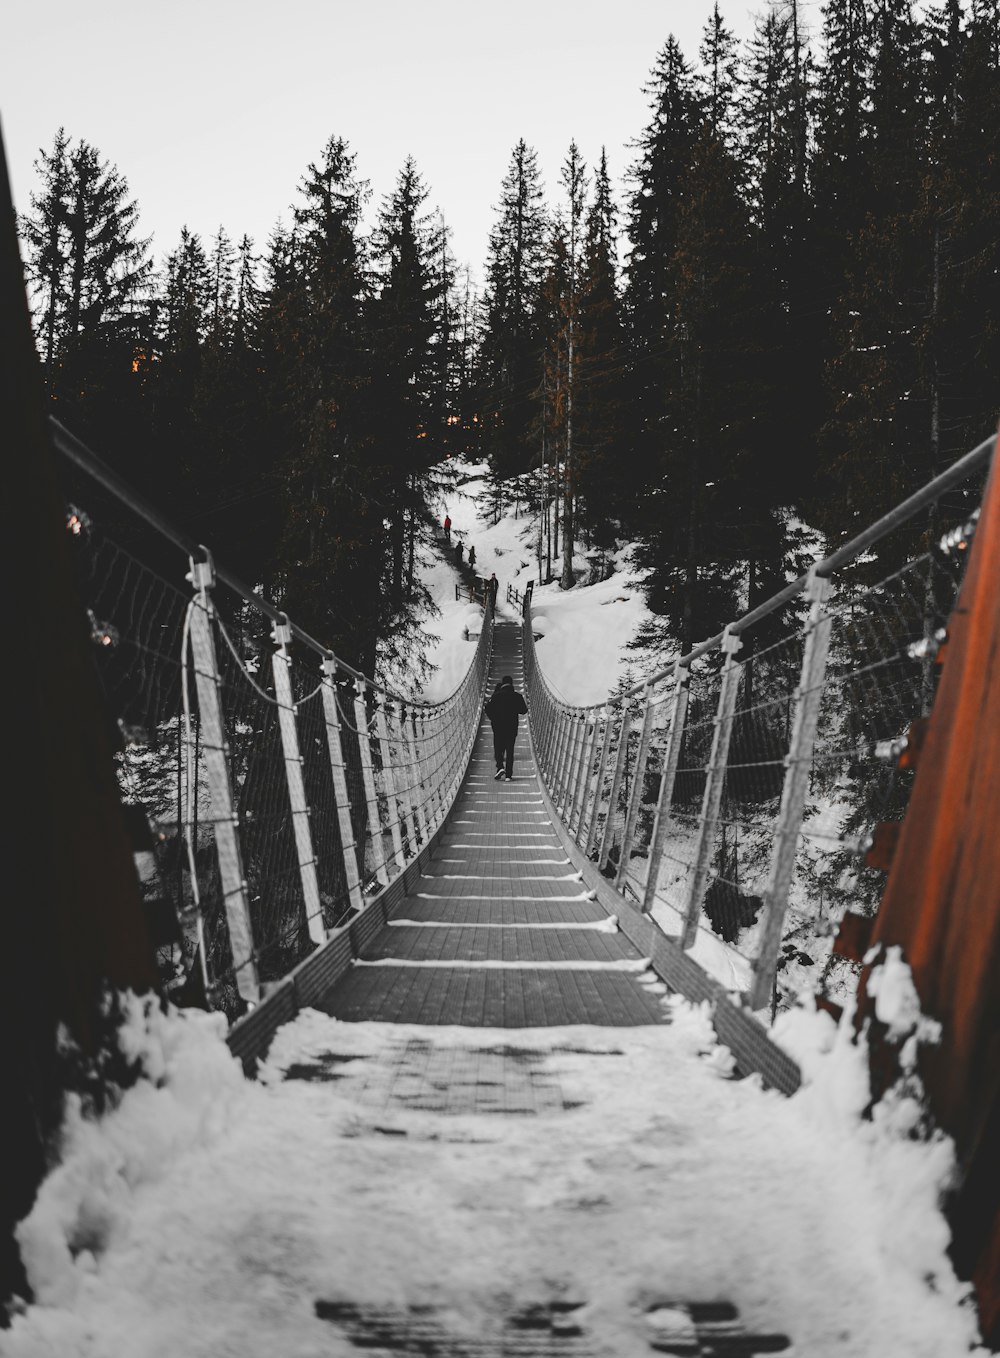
(500,931)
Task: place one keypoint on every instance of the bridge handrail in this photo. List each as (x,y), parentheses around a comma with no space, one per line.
(280,788)
(76,451)
(723,787)
(929,494)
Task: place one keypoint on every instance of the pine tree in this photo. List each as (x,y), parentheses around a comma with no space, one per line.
(406,320)
(774,120)
(445,309)
(265,418)
(665,150)
(711,510)
(719,80)
(574,180)
(247,303)
(551,395)
(960,199)
(510,344)
(841,170)
(604,493)
(876,447)
(45,232)
(88,268)
(465,435)
(329,557)
(187,300)
(898,113)
(223,290)
(108,265)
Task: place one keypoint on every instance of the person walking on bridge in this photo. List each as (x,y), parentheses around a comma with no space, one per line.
(492,585)
(503,710)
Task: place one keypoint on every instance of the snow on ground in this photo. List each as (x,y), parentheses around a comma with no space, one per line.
(455,631)
(207,1214)
(584,631)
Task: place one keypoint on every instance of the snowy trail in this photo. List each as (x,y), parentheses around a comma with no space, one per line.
(232,1216)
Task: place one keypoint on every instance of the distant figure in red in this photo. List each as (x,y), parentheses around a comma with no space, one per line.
(447,527)
(493,584)
(503,710)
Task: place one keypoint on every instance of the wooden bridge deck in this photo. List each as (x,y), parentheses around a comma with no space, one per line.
(500,931)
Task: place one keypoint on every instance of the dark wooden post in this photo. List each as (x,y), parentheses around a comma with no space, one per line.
(72,920)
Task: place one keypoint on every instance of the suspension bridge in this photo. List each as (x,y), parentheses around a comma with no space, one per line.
(249,824)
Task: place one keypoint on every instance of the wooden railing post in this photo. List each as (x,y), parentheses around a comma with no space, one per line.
(616,783)
(281,667)
(215,752)
(664,802)
(636,794)
(335,746)
(714,783)
(808,696)
(368,778)
(389,782)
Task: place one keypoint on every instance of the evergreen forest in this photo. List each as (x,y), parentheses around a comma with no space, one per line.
(791,313)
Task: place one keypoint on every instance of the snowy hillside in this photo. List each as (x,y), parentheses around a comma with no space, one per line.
(585,631)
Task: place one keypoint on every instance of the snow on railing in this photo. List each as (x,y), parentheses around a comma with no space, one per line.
(282,787)
(743,794)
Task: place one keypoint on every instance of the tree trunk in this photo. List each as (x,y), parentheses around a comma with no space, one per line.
(397,533)
(411,537)
(568,524)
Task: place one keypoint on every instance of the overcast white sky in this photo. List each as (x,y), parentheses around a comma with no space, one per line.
(212,109)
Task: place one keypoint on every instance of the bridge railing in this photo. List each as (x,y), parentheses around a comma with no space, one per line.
(748,794)
(274,789)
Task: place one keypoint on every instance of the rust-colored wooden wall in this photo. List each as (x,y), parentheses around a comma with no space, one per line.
(942,906)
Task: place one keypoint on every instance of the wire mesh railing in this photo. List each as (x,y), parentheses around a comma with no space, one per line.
(283,788)
(748,794)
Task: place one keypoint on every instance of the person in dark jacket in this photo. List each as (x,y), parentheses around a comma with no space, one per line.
(459,550)
(503,710)
(472,558)
(492,585)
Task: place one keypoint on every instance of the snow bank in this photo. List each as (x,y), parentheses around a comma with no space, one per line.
(181,1103)
(586,630)
(225,1209)
(585,634)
